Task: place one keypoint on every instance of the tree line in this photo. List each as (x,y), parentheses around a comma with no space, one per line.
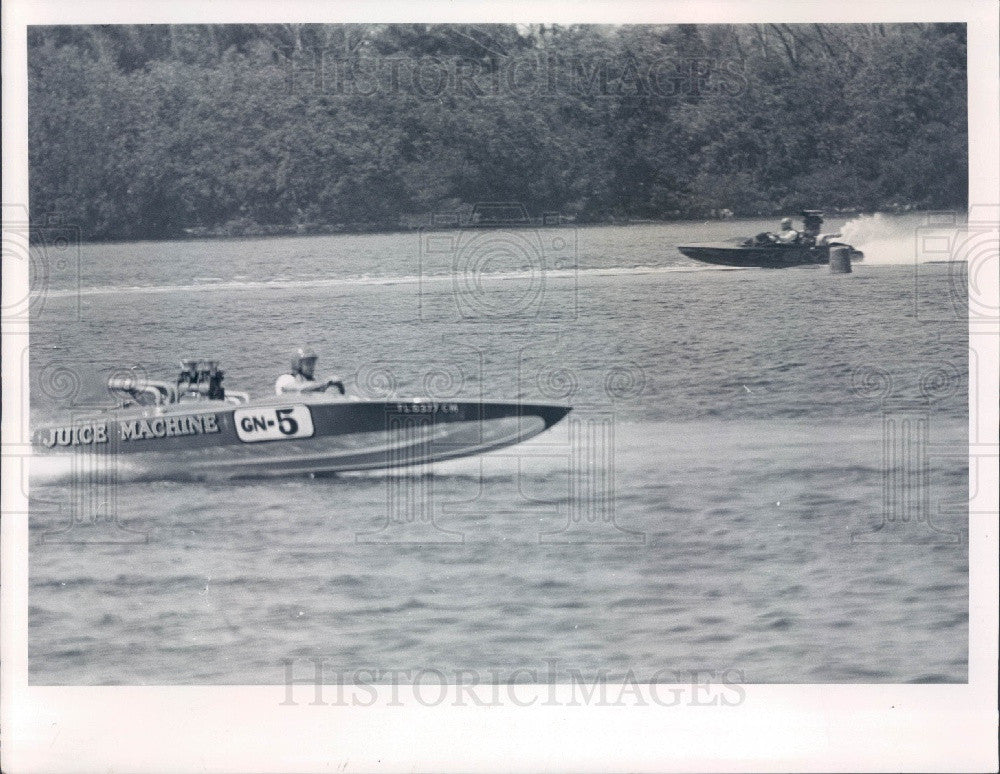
(157,131)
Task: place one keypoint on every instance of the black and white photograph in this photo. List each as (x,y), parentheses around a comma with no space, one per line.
(493,382)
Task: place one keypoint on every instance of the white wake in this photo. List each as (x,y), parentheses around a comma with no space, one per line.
(906,239)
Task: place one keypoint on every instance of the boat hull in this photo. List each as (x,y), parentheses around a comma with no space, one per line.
(276,437)
(761,256)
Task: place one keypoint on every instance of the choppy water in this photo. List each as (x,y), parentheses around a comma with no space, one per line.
(739,487)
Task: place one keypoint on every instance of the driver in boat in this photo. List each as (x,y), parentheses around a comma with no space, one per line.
(788,234)
(302,377)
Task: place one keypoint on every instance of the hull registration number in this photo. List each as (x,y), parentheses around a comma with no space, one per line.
(273,424)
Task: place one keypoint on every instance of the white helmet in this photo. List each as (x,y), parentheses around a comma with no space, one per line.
(302,354)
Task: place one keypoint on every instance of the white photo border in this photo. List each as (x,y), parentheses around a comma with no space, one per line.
(246,728)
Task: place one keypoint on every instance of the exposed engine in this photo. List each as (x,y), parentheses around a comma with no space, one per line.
(134,390)
(200,379)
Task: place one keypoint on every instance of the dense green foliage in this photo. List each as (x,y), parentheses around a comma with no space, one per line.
(152,131)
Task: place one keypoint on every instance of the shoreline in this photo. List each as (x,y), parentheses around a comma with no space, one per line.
(222,233)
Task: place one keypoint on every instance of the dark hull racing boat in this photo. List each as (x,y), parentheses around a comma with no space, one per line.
(200,430)
(764,251)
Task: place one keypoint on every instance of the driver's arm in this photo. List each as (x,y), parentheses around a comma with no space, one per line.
(287,383)
(320,385)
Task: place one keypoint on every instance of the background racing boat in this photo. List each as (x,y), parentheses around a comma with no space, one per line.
(196,427)
(766,252)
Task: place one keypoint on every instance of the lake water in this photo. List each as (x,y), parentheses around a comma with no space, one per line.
(765,471)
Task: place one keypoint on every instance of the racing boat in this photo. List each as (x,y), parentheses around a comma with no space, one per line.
(766,252)
(195,427)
